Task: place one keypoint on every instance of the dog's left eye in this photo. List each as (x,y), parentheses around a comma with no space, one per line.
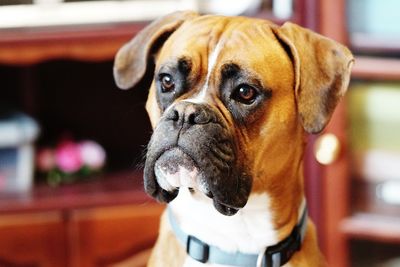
(167,83)
(245,94)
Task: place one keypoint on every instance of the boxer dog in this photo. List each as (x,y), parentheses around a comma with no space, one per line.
(231,102)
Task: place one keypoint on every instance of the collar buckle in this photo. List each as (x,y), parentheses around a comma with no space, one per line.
(197,249)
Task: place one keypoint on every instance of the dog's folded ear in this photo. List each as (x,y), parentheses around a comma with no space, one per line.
(322,73)
(131,61)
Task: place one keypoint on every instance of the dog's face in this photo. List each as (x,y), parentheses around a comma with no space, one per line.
(230,102)
(215,101)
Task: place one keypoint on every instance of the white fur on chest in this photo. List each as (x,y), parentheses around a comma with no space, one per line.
(249,231)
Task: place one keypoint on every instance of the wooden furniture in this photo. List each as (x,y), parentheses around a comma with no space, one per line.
(53,75)
(102,222)
(73,43)
(345,233)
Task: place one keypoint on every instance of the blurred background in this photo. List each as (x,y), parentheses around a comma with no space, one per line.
(71,143)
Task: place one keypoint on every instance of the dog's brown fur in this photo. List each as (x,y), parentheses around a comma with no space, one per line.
(307,73)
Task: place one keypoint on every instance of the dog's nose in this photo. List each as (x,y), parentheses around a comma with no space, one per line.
(190,113)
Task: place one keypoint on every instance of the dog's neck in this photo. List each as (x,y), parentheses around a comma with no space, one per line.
(251,230)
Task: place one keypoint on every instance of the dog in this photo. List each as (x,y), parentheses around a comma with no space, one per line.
(231,102)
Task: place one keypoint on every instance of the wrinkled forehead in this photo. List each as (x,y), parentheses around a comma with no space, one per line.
(244,41)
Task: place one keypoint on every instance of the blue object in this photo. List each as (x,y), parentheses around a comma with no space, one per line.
(17,133)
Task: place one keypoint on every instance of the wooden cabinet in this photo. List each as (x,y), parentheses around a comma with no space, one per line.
(101,236)
(113,236)
(33,239)
(99,223)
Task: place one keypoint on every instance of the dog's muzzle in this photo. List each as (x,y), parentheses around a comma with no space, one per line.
(193,147)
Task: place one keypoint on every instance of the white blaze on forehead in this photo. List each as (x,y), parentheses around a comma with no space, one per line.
(212,60)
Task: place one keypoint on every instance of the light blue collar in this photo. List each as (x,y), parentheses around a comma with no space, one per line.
(273,256)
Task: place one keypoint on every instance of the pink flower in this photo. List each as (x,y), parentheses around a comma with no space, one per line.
(92,154)
(45,160)
(68,157)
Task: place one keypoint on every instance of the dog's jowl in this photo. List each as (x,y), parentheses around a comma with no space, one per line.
(231,103)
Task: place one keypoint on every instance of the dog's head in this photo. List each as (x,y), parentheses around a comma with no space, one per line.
(230,101)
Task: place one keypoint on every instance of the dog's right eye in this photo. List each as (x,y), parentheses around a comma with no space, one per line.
(167,83)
